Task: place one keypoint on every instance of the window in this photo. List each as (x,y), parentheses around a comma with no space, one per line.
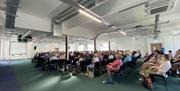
(91,47)
(104,47)
(72,47)
(81,48)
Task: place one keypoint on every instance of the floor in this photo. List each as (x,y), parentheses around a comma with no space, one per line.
(21,75)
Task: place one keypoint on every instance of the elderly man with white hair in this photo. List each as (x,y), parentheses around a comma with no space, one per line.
(90,68)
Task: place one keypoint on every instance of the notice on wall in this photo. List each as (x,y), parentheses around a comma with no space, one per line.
(17,48)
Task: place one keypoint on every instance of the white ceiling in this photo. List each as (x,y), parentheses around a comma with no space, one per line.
(130,18)
(41,8)
(136,15)
(126,19)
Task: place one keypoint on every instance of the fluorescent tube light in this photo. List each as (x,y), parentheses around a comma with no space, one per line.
(133,38)
(90,16)
(123,33)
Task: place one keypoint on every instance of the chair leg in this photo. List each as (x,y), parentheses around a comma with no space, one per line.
(165,83)
(123,74)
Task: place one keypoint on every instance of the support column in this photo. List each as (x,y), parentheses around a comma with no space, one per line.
(67,47)
(109,44)
(0,50)
(95,43)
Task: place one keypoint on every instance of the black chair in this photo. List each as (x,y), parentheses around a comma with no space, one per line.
(122,71)
(134,60)
(103,66)
(152,76)
(67,64)
(82,66)
(87,62)
(53,64)
(108,61)
(97,69)
(39,62)
(73,67)
(60,63)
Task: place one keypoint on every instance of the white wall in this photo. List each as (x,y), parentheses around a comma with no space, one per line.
(127,43)
(169,43)
(45,47)
(5,53)
(73,47)
(102,45)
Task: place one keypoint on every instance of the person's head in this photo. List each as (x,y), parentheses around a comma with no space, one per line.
(178,52)
(134,52)
(139,51)
(95,55)
(127,52)
(120,52)
(165,57)
(118,56)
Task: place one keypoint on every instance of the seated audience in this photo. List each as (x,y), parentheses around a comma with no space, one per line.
(113,67)
(111,56)
(160,67)
(176,64)
(152,59)
(170,56)
(54,57)
(128,57)
(135,56)
(62,56)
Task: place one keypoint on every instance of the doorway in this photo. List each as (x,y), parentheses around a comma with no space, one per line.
(156,46)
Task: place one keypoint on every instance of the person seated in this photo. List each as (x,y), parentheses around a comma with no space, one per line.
(75,64)
(113,67)
(77,60)
(81,63)
(176,64)
(62,56)
(35,58)
(146,57)
(135,56)
(155,55)
(158,68)
(128,57)
(152,59)
(171,58)
(111,56)
(100,55)
(90,68)
(54,57)
(71,56)
(177,56)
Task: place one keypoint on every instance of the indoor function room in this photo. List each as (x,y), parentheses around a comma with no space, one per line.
(89,45)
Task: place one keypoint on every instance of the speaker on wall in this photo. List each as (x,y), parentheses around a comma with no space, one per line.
(35,47)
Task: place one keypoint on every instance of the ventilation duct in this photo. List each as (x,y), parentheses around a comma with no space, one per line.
(158,6)
(11,9)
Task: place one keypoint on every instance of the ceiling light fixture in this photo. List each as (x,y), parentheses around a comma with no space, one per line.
(123,33)
(133,38)
(90,16)
(105,34)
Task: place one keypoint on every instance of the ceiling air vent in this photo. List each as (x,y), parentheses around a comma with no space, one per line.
(158,6)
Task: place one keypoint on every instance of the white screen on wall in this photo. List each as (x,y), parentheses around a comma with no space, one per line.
(17,48)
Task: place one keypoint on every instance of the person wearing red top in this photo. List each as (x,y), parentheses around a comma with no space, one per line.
(113,67)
